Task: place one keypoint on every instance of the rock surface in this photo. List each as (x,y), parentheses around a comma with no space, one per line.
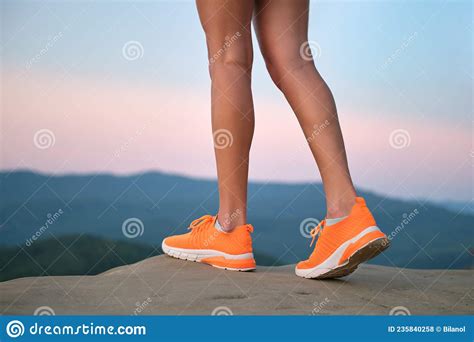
(165,286)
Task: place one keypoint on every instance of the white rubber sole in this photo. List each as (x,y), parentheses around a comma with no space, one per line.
(197,255)
(331,268)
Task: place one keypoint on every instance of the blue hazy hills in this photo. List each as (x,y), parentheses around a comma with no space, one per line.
(84,213)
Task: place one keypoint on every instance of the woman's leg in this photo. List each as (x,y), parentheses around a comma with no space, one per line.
(282,28)
(227,25)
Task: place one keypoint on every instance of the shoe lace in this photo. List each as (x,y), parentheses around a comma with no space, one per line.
(317,231)
(200,222)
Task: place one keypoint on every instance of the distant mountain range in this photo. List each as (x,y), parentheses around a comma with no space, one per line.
(457,206)
(85,254)
(37,206)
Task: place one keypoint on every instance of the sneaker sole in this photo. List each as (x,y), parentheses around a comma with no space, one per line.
(240,262)
(366,250)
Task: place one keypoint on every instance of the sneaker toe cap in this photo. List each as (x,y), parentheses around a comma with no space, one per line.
(177,241)
(304,265)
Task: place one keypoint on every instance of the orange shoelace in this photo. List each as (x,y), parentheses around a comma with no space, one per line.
(200,222)
(317,231)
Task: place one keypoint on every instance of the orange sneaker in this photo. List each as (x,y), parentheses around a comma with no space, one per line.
(204,243)
(341,247)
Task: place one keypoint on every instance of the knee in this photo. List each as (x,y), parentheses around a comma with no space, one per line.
(281,65)
(231,58)
(229,65)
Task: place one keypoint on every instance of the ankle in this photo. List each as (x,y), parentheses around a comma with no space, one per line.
(228,220)
(340,207)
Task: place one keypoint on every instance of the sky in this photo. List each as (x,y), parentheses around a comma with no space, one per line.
(76,99)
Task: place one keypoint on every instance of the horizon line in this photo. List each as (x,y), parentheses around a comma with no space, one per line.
(197,178)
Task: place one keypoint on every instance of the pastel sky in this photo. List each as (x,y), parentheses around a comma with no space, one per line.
(398,69)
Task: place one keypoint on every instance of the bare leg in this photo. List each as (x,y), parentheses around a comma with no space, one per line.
(282,29)
(227,26)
